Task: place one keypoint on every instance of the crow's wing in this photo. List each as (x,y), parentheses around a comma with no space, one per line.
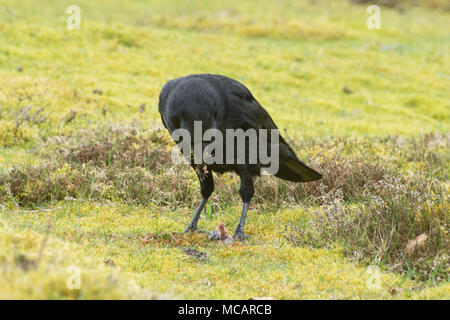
(253,115)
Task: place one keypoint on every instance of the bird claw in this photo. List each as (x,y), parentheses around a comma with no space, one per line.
(241,236)
(191,228)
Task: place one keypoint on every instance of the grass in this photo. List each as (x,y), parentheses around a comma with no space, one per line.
(37,266)
(81,151)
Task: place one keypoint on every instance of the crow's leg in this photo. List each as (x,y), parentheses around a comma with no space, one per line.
(192,226)
(206,188)
(247,190)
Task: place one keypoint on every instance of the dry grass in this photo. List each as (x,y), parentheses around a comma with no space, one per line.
(318,70)
(370,204)
(377,229)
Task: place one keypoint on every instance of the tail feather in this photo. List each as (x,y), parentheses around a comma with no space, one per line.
(292,169)
(295,170)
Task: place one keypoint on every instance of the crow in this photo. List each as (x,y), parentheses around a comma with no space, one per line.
(221,103)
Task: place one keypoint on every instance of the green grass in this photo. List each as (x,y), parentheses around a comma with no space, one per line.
(265,266)
(101,177)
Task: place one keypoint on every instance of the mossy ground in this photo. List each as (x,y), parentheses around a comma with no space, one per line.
(136,240)
(314,65)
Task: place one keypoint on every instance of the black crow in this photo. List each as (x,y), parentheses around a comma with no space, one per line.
(218,102)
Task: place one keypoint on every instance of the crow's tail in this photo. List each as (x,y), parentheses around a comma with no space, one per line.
(295,170)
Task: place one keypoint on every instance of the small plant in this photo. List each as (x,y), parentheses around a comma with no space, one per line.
(378,229)
(371,205)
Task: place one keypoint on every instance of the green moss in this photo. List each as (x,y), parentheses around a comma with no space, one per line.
(265,266)
(318,70)
(37,266)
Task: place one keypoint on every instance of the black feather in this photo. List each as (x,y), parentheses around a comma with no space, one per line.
(223,103)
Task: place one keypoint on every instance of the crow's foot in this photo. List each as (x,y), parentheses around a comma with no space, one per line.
(241,236)
(192,228)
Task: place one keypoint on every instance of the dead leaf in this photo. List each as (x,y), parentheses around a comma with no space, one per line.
(415,243)
(195,253)
(394,291)
(347,90)
(25,263)
(72,115)
(109,262)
